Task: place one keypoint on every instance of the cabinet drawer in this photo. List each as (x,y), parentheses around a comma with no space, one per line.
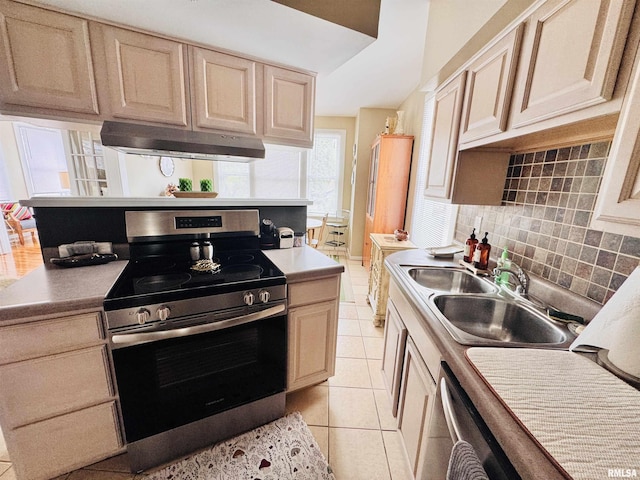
(35,339)
(58,445)
(314,291)
(44,387)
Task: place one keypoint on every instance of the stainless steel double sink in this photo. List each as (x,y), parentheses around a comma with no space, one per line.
(475,311)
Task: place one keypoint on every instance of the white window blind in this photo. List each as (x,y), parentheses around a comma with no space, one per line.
(432,222)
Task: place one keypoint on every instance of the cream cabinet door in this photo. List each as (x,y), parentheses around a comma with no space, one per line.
(395,339)
(417,395)
(313,333)
(618,205)
(571,55)
(444,137)
(289,99)
(45,60)
(224,89)
(489,87)
(146,76)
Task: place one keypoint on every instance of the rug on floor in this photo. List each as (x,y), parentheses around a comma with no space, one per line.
(281,450)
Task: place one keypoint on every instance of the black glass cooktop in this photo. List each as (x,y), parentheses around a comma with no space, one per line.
(163,278)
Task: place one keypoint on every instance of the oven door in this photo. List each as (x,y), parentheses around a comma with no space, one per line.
(173,377)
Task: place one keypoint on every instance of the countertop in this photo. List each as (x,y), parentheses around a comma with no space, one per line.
(47,291)
(523,451)
(163,202)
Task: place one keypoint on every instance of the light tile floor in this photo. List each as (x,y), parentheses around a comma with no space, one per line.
(349,414)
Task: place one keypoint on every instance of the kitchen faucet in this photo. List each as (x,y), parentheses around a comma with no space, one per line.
(519,274)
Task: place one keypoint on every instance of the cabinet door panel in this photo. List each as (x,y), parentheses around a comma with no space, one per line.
(45,60)
(314,291)
(618,205)
(56,446)
(146,77)
(44,387)
(571,56)
(36,339)
(395,338)
(288,105)
(225,91)
(489,87)
(312,344)
(416,403)
(444,137)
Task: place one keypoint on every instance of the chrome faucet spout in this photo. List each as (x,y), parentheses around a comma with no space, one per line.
(519,274)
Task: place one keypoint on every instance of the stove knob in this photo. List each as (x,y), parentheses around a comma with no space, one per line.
(249,298)
(163,313)
(264,296)
(143,315)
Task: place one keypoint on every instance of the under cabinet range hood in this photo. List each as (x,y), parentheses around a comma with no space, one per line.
(173,142)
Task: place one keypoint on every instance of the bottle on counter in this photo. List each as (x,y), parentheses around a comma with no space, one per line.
(503,262)
(470,247)
(194,251)
(207,250)
(481,254)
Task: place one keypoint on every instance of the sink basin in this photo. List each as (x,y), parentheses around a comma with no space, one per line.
(450,280)
(477,320)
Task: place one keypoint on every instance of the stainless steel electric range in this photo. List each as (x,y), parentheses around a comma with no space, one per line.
(198,332)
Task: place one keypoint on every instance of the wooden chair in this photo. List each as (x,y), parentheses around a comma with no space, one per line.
(19,228)
(314,242)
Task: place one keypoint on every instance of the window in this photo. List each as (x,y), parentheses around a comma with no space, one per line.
(290,173)
(90,175)
(43,159)
(432,222)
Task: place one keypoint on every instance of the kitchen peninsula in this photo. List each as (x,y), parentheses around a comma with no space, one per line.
(57,362)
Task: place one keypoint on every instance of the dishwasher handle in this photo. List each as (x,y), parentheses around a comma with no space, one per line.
(449,414)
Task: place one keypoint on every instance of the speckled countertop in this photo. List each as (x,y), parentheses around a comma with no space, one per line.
(524,453)
(47,291)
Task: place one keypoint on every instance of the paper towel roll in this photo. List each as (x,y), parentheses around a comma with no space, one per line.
(616,327)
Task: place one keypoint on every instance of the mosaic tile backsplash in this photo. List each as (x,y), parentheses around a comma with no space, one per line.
(544,219)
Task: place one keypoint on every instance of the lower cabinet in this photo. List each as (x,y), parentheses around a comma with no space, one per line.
(411,367)
(313,331)
(395,340)
(57,403)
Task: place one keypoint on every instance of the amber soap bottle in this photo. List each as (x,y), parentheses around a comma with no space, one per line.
(481,255)
(470,247)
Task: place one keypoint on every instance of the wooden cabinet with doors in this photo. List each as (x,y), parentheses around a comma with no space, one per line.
(570,57)
(444,137)
(313,331)
(618,204)
(489,87)
(58,403)
(45,62)
(288,106)
(145,76)
(223,91)
(389,170)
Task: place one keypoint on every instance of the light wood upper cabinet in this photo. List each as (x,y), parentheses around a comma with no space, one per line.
(288,106)
(444,137)
(618,205)
(45,60)
(489,87)
(146,76)
(571,54)
(224,91)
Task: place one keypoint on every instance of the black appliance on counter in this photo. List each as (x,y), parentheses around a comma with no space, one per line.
(197,331)
(268,234)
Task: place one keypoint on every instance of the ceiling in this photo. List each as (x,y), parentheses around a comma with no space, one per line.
(354,70)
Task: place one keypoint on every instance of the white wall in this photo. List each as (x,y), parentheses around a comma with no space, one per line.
(13,165)
(145,178)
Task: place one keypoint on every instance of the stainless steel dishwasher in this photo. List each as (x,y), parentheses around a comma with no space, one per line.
(465,423)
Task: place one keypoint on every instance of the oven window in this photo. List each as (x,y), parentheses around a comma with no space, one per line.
(166,384)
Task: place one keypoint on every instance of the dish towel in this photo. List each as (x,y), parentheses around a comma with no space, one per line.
(464,463)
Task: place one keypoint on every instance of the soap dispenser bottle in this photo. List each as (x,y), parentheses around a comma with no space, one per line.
(503,263)
(481,255)
(470,247)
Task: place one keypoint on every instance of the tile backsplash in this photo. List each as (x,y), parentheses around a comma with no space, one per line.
(544,219)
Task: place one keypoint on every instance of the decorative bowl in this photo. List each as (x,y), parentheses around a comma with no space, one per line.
(400,235)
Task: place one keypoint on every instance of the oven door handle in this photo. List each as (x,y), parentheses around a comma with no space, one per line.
(130,339)
(449,413)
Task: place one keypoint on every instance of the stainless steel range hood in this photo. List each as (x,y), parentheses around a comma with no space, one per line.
(173,142)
